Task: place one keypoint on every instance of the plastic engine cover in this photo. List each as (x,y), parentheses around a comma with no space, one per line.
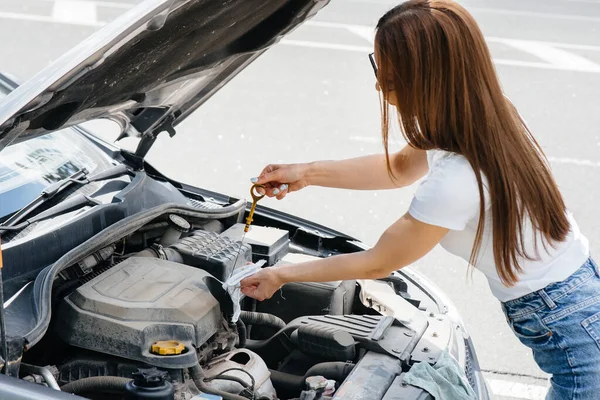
(138,302)
(214,253)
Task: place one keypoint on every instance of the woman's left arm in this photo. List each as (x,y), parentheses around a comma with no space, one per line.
(403,243)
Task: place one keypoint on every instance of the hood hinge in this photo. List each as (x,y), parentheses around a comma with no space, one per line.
(150,137)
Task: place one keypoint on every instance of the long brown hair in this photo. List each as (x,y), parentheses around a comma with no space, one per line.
(434,59)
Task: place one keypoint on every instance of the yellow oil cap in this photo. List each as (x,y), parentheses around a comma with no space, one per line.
(167,347)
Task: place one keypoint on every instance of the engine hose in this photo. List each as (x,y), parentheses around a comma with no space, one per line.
(258,318)
(259,344)
(290,382)
(242,334)
(44,372)
(198,377)
(338,371)
(96,384)
(232,379)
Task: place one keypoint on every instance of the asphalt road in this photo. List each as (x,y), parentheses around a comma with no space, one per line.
(313,97)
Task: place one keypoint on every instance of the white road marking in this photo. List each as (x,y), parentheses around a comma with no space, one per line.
(74,11)
(532,14)
(555,160)
(516,63)
(42,18)
(584,47)
(339,25)
(84,13)
(532,64)
(364,32)
(368,32)
(557,57)
(517,390)
(330,46)
(392,3)
(108,4)
(394,141)
(574,161)
(366,139)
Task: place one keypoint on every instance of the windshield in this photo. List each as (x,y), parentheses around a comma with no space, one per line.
(28,167)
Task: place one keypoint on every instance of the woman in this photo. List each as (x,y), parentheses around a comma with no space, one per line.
(488,194)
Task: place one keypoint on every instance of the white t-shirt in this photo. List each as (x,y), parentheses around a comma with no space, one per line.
(449,197)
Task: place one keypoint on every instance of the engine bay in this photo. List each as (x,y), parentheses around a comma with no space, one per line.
(150,306)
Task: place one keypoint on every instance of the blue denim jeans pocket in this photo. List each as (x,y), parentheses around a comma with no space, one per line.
(530,330)
(561,325)
(592,327)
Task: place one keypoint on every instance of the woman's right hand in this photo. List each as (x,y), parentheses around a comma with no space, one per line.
(281,179)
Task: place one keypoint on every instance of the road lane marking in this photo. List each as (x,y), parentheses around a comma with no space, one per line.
(395,141)
(557,57)
(42,18)
(68,11)
(366,139)
(517,390)
(497,61)
(535,14)
(330,46)
(84,13)
(108,4)
(368,32)
(584,47)
(337,25)
(392,3)
(555,160)
(540,65)
(574,161)
(365,32)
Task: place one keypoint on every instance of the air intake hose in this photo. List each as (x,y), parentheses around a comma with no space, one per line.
(96,384)
(258,318)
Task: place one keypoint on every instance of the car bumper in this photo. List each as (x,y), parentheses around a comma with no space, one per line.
(446,306)
(474,374)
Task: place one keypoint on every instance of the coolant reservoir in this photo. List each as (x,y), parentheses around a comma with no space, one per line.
(149,384)
(177,226)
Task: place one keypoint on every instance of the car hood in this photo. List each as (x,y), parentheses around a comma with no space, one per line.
(151,67)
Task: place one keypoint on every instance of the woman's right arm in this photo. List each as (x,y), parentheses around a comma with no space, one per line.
(362,173)
(370,172)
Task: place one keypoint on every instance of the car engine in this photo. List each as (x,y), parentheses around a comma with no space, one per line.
(149,312)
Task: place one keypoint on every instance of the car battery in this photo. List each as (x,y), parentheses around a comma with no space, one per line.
(298,299)
(269,244)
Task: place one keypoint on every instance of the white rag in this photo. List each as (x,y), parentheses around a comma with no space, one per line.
(232,285)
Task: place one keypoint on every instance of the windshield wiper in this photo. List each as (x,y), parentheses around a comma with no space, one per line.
(79,177)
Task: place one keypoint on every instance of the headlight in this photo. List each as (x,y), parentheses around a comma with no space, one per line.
(473,372)
(461,346)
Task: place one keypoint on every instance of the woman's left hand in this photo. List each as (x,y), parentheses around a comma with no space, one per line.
(261,285)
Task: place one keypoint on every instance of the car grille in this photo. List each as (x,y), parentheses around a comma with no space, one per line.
(469,367)
(204,205)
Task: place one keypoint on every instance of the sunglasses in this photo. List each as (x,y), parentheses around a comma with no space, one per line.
(373,63)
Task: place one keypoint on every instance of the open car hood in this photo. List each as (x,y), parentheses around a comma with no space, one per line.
(151,67)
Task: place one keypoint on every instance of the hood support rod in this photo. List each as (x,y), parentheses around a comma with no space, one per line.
(3,344)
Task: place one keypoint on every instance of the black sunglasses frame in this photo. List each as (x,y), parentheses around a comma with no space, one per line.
(373,63)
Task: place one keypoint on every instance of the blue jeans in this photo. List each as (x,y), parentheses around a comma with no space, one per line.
(561,325)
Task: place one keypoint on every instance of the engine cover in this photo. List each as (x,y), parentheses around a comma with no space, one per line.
(138,302)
